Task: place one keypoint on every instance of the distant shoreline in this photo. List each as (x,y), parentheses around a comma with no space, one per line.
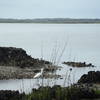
(52,21)
(48,23)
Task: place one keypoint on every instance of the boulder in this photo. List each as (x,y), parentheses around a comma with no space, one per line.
(91,77)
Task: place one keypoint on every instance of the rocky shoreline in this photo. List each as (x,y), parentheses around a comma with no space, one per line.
(15,63)
(10,72)
(11,56)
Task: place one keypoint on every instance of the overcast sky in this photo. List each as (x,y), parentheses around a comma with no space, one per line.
(49,8)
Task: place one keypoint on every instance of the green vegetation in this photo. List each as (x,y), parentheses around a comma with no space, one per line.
(52,93)
(97,92)
(60,93)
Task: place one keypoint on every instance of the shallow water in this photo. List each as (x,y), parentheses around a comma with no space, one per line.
(40,39)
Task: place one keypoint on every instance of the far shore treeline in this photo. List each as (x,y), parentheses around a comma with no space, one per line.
(50,20)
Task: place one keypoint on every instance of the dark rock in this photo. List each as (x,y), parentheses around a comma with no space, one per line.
(10,56)
(91,77)
(11,95)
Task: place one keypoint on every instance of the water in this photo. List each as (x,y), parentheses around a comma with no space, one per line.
(83,45)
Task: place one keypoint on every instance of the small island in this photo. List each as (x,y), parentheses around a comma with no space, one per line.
(78,64)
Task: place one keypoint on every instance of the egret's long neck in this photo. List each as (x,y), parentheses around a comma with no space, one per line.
(41,71)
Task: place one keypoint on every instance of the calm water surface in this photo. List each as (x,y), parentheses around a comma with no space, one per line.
(83,45)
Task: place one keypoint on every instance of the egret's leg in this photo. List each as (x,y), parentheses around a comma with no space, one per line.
(38,84)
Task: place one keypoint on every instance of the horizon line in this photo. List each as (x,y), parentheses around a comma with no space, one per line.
(48,18)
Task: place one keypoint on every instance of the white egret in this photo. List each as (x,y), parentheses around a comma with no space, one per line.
(39,74)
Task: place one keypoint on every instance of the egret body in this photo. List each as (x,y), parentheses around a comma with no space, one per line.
(39,74)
